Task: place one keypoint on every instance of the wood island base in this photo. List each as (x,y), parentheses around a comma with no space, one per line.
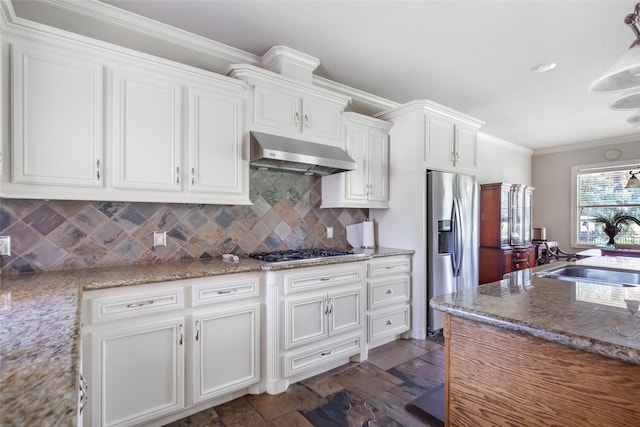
(499,377)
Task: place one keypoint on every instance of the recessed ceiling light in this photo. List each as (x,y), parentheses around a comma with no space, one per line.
(543,67)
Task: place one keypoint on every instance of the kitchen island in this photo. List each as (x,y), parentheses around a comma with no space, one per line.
(40,328)
(537,351)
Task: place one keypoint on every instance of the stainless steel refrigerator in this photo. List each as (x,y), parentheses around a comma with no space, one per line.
(452,238)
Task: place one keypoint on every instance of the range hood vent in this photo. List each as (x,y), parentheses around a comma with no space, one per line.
(292,155)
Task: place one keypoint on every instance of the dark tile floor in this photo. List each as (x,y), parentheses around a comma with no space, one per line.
(367,394)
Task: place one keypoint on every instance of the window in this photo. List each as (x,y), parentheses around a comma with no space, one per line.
(599,190)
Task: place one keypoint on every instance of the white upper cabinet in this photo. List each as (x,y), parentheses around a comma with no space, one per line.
(93,121)
(451,142)
(367,142)
(57,109)
(293,108)
(217,162)
(147,130)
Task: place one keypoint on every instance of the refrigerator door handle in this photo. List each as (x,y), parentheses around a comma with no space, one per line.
(456,258)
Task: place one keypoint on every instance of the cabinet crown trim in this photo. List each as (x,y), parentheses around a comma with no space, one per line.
(256,76)
(430,107)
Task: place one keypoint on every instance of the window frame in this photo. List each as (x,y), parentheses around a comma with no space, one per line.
(631,164)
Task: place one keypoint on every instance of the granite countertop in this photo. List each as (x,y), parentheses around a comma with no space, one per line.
(40,332)
(577,314)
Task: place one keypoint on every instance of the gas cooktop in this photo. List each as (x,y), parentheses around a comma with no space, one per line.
(299,254)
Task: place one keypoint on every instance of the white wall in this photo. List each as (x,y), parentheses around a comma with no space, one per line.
(551,173)
(502,161)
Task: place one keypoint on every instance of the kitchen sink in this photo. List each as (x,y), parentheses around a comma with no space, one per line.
(599,275)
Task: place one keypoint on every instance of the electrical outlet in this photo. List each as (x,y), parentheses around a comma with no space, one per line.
(159,238)
(329,232)
(5,245)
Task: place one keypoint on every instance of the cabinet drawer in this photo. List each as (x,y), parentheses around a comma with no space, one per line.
(390,322)
(312,278)
(520,255)
(224,288)
(388,290)
(298,362)
(132,304)
(388,265)
(520,265)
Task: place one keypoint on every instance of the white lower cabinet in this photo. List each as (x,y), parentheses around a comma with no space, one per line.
(388,295)
(158,352)
(315,321)
(226,351)
(138,372)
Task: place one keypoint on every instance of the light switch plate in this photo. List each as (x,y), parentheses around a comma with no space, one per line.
(5,245)
(329,232)
(159,238)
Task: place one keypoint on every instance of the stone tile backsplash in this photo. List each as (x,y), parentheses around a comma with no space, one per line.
(49,235)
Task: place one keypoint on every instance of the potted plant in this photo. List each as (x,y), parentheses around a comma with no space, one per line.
(609,220)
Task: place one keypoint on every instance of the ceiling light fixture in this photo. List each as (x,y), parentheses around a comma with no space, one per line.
(633,181)
(625,73)
(543,67)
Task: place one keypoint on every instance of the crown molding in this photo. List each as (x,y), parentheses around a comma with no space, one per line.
(624,139)
(150,28)
(376,102)
(504,143)
(7,14)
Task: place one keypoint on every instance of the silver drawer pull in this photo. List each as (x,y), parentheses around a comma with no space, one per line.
(140,304)
(389,322)
(326,353)
(227,292)
(389,291)
(390,267)
(325,279)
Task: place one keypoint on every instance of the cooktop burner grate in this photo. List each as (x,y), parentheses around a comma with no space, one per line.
(297,254)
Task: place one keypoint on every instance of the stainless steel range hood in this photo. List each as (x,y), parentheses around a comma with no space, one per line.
(292,155)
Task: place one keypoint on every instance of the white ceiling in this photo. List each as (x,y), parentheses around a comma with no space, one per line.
(472,56)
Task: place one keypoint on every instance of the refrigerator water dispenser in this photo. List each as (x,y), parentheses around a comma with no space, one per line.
(445,237)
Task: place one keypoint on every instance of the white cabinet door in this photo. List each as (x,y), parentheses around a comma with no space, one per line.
(357,181)
(378,170)
(439,148)
(147,131)
(450,145)
(367,142)
(277,109)
(57,115)
(305,320)
(137,373)
(344,311)
(217,164)
(466,148)
(321,119)
(227,350)
(293,112)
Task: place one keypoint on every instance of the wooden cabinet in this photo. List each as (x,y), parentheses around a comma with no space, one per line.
(388,295)
(57,110)
(505,230)
(159,350)
(293,108)
(315,321)
(565,385)
(367,142)
(451,142)
(111,124)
